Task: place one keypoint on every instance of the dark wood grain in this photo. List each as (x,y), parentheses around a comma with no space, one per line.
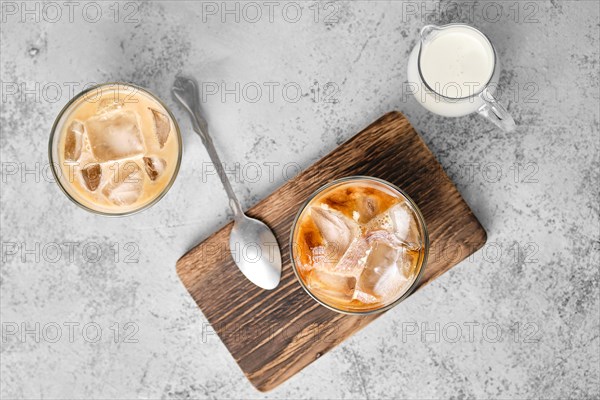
(274,334)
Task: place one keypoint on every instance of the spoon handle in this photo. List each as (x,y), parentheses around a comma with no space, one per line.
(186,92)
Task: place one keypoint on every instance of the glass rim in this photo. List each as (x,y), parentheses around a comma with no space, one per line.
(422,266)
(483,87)
(55,165)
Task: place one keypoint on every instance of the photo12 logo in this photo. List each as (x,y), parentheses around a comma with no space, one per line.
(522,172)
(252,172)
(269,92)
(491,252)
(70,332)
(70,252)
(69,11)
(428,12)
(470,331)
(270,11)
(515,92)
(55,92)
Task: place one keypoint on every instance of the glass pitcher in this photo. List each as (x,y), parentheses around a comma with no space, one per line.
(454,71)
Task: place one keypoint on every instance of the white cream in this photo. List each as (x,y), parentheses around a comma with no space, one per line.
(456,61)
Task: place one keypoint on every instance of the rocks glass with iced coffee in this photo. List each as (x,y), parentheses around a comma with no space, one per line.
(359,245)
(115,149)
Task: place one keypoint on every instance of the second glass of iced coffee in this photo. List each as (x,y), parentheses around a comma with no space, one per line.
(359,245)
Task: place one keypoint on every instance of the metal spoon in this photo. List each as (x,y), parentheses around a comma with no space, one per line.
(252,244)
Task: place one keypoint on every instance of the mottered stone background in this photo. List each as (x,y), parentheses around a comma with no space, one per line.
(520,318)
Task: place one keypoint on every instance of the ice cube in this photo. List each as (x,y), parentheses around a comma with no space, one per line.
(408,261)
(402,222)
(154,166)
(353,260)
(335,287)
(73,141)
(365,297)
(337,230)
(92,174)
(373,236)
(126,185)
(367,208)
(405,225)
(109,104)
(162,126)
(382,221)
(381,276)
(324,258)
(319,255)
(114,135)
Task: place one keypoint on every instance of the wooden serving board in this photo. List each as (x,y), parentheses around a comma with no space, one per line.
(272,335)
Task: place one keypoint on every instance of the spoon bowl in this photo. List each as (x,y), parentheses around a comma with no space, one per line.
(251,243)
(256,252)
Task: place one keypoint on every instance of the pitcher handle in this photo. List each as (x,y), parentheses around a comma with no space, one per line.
(495,112)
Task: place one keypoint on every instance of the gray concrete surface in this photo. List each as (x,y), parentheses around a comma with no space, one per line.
(519,319)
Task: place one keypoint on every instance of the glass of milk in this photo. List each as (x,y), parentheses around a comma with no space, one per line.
(454,71)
